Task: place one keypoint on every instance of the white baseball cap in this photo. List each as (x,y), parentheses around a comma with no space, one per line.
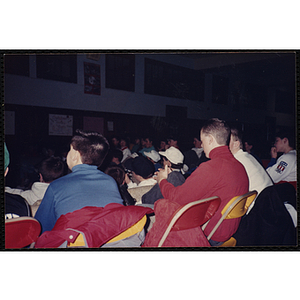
(153,155)
(173,155)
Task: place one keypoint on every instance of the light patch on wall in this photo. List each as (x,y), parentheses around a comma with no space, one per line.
(61,125)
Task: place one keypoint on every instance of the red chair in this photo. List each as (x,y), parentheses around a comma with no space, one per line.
(191,215)
(21,232)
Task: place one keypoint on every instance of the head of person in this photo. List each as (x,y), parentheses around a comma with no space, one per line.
(148,142)
(172,141)
(123,142)
(116,156)
(197,143)
(163,144)
(236,141)
(214,133)
(173,158)
(51,169)
(142,168)
(153,156)
(117,173)
(87,147)
(284,141)
(6,160)
(115,141)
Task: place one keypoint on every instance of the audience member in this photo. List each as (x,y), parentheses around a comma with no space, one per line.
(173,159)
(163,145)
(137,145)
(173,142)
(147,143)
(222,176)
(258,177)
(116,157)
(283,168)
(194,157)
(124,149)
(142,172)
(15,205)
(249,147)
(115,140)
(120,176)
(48,170)
(154,158)
(86,185)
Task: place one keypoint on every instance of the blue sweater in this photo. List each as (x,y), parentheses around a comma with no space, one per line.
(85,186)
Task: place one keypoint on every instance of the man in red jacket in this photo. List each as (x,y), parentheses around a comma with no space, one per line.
(222,176)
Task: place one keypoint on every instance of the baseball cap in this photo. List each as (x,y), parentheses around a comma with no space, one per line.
(142,166)
(173,155)
(153,155)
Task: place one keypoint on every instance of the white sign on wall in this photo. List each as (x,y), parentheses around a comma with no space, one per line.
(60,125)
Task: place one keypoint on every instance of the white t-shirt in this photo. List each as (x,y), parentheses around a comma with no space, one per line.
(258,177)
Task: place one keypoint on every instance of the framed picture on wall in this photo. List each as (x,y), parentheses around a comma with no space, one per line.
(92,83)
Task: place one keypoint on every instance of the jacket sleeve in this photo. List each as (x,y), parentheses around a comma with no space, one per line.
(200,178)
(46,211)
(282,168)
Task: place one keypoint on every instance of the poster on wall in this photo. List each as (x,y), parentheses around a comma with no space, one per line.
(92,83)
(60,125)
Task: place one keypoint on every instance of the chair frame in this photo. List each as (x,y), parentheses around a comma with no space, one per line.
(180,211)
(248,198)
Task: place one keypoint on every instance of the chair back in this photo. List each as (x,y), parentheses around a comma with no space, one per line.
(235,208)
(21,232)
(191,215)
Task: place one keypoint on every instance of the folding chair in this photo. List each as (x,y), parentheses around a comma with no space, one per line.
(191,215)
(21,232)
(235,208)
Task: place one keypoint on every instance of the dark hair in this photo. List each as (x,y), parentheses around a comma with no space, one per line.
(117,173)
(219,129)
(51,168)
(287,134)
(173,166)
(117,153)
(92,146)
(237,135)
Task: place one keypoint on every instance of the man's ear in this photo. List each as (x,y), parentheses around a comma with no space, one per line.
(76,157)
(237,145)
(211,139)
(6,171)
(41,177)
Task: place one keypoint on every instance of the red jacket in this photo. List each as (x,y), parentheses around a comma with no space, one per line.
(222,176)
(99,225)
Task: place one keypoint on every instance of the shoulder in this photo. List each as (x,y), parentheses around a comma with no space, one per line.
(289,157)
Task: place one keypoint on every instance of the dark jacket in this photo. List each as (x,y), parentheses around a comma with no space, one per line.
(176,178)
(269,223)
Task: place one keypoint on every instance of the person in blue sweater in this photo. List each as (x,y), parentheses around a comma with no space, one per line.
(86,185)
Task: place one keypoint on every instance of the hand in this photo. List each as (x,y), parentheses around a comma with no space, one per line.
(273,152)
(162,174)
(127,179)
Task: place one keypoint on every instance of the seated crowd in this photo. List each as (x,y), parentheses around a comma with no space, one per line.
(162,179)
